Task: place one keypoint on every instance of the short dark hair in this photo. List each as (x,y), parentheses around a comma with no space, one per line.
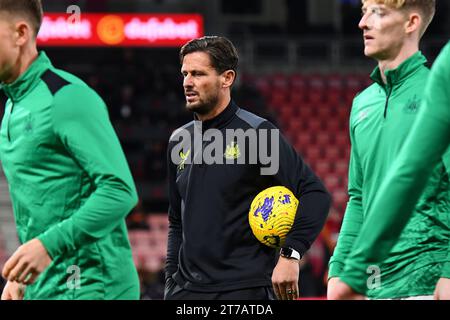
(31,9)
(221,51)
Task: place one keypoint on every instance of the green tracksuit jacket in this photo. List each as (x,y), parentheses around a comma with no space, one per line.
(381,119)
(399,193)
(70,185)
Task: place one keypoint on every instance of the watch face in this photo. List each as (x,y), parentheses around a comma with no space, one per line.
(286,252)
(290,253)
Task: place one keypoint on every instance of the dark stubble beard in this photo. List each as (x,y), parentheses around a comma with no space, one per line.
(205,106)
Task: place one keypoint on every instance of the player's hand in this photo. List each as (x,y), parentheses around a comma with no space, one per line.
(13,291)
(338,290)
(442,291)
(285,279)
(27,263)
(332,287)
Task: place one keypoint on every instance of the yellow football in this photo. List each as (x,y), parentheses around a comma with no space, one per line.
(272,214)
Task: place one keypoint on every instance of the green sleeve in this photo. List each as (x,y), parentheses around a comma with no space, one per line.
(81,122)
(424,148)
(353,217)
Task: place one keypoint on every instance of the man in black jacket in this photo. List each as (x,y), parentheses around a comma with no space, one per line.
(217,164)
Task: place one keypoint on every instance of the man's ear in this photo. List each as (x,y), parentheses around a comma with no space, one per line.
(228,78)
(23,33)
(414,23)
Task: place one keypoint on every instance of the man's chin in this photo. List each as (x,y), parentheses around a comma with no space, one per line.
(373,53)
(368,52)
(196,107)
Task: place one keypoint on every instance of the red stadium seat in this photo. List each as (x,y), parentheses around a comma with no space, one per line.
(296,97)
(314,125)
(289,105)
(334,82)
(353,82)
(306,111)
(316,96)
(332,153)
(278,99)
(313,154)
(343,110)
(341,168)
(317,82)
(263,85)
(334,98)
(335,90)
(317,89)
(286,115)
(345,182)
(332,182)
(322,168)
(324,111)
(323,138)
(335,125)
(303,139)
(342,139)
(295,126)
(280,82)
(298,83)
(340,196)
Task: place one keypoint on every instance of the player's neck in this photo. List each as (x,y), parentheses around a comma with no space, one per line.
(393,62)
(221,105)
(25,59)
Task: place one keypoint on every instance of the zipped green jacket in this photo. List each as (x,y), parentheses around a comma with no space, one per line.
(392,208)
(380,121)
(70,185)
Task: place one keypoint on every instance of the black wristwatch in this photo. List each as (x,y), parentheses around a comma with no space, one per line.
(290,253)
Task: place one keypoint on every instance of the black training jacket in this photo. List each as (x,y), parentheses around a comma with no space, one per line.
(211,247)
